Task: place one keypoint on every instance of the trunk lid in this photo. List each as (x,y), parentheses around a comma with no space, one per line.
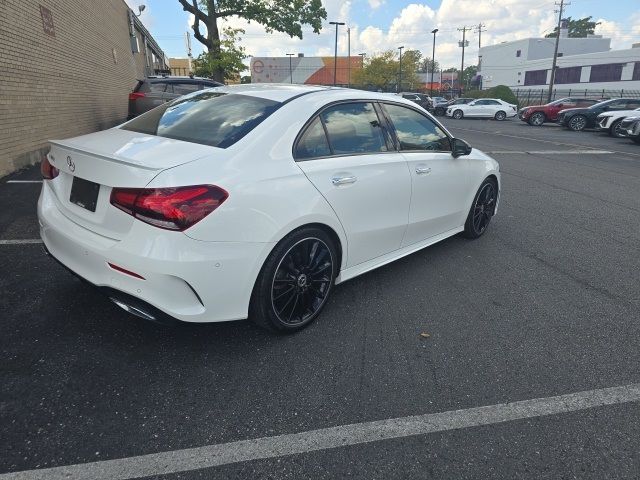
(113,158)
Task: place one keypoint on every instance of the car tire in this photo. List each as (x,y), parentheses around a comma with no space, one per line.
(537,119)
(295,281)
(577,123)
(439,111)
(482,209)
(500,116)
(616,131)
(458,114)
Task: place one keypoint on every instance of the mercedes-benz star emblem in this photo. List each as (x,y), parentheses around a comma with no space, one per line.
(70,164)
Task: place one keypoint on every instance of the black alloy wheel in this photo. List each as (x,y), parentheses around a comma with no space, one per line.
(500,116)
(578,123)
(295,281)
(616,130)
(537,119)
(483,208)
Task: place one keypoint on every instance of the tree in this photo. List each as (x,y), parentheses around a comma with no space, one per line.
(580,28)
(426,64)
(382,71)
(469,72)
(275,15)
(229,61)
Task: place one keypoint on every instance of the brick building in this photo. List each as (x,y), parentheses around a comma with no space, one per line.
(66,68)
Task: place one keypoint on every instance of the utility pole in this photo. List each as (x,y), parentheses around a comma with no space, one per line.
(399,87)
(479,30)
(464,43)
(335,52)
(433,60)
(189,54)
(290,67)
(552,78)
(349,57)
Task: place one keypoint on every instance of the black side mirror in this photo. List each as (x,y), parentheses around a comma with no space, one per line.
(459,148)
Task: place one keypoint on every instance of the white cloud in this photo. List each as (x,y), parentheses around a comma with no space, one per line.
(503,20)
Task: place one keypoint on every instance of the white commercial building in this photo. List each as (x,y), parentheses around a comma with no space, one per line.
(583,63)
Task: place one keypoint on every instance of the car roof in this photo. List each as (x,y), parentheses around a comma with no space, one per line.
(284,92)
(179,78)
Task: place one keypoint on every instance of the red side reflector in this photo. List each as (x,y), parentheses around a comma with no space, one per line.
(48,171)
(136,95)
(125,271)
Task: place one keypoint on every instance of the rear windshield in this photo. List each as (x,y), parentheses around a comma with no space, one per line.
(210,118)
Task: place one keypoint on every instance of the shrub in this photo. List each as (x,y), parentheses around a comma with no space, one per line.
(501,91)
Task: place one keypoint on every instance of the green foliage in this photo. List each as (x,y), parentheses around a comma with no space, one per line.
(577,28)
(501,91)
(382,71)
(287,16)
(469,72)
(425,66)
(229,60)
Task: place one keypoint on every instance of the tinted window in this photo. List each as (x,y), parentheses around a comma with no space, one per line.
(353,128)
(415,131)
(632,104)
(313,142)
(185,88)
(157,87)
(491,102)
(208,117)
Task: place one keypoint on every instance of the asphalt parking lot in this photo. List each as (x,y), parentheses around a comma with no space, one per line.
(546,304)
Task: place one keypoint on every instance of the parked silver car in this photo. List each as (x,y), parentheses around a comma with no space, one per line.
(154,91)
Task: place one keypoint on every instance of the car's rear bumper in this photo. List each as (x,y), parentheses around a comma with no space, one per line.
(187,279)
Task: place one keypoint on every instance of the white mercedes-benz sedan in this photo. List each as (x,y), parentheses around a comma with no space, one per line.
(483,108)
(253,201)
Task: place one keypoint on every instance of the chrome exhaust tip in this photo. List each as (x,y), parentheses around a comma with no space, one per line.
(133,310)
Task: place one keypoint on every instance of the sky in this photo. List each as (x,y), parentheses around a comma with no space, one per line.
(378,25)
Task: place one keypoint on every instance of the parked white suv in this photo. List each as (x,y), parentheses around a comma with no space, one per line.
(610,121)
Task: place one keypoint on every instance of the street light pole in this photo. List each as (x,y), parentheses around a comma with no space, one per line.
(335,52)
(433,58)
(349,56)
(399,87)
(290,67)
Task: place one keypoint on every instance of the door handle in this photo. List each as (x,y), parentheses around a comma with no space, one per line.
(343,180)
(423,170)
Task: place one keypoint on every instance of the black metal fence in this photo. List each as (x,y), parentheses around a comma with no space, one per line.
(538,96)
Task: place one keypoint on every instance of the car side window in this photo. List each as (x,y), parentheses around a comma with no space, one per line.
(491,102)
(157,87)
(416,131)
(313,142)
(353,128)
(632,104)
(185,88)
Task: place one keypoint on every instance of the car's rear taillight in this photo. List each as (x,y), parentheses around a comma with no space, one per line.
(136,95)
(48,171)
(170,208)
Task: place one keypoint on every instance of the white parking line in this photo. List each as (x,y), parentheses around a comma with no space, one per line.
(24,181)
(326,438)
(551,152)
(20,242)
(534,139)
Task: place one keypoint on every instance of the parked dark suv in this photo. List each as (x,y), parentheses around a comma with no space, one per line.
(578,119)
(154,91)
